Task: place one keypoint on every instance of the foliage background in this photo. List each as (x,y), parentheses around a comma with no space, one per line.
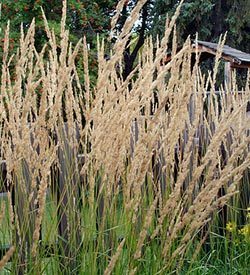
(208,18)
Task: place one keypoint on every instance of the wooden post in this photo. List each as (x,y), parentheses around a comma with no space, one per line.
(68,198)
(228,76)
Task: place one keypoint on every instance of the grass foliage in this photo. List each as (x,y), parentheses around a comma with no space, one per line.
(134,176)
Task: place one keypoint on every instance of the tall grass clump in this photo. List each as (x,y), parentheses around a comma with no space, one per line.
(129,176)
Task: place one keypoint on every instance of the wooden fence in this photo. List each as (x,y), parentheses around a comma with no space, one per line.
(68,155)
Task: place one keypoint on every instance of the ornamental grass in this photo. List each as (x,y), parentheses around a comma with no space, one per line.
(124,176)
